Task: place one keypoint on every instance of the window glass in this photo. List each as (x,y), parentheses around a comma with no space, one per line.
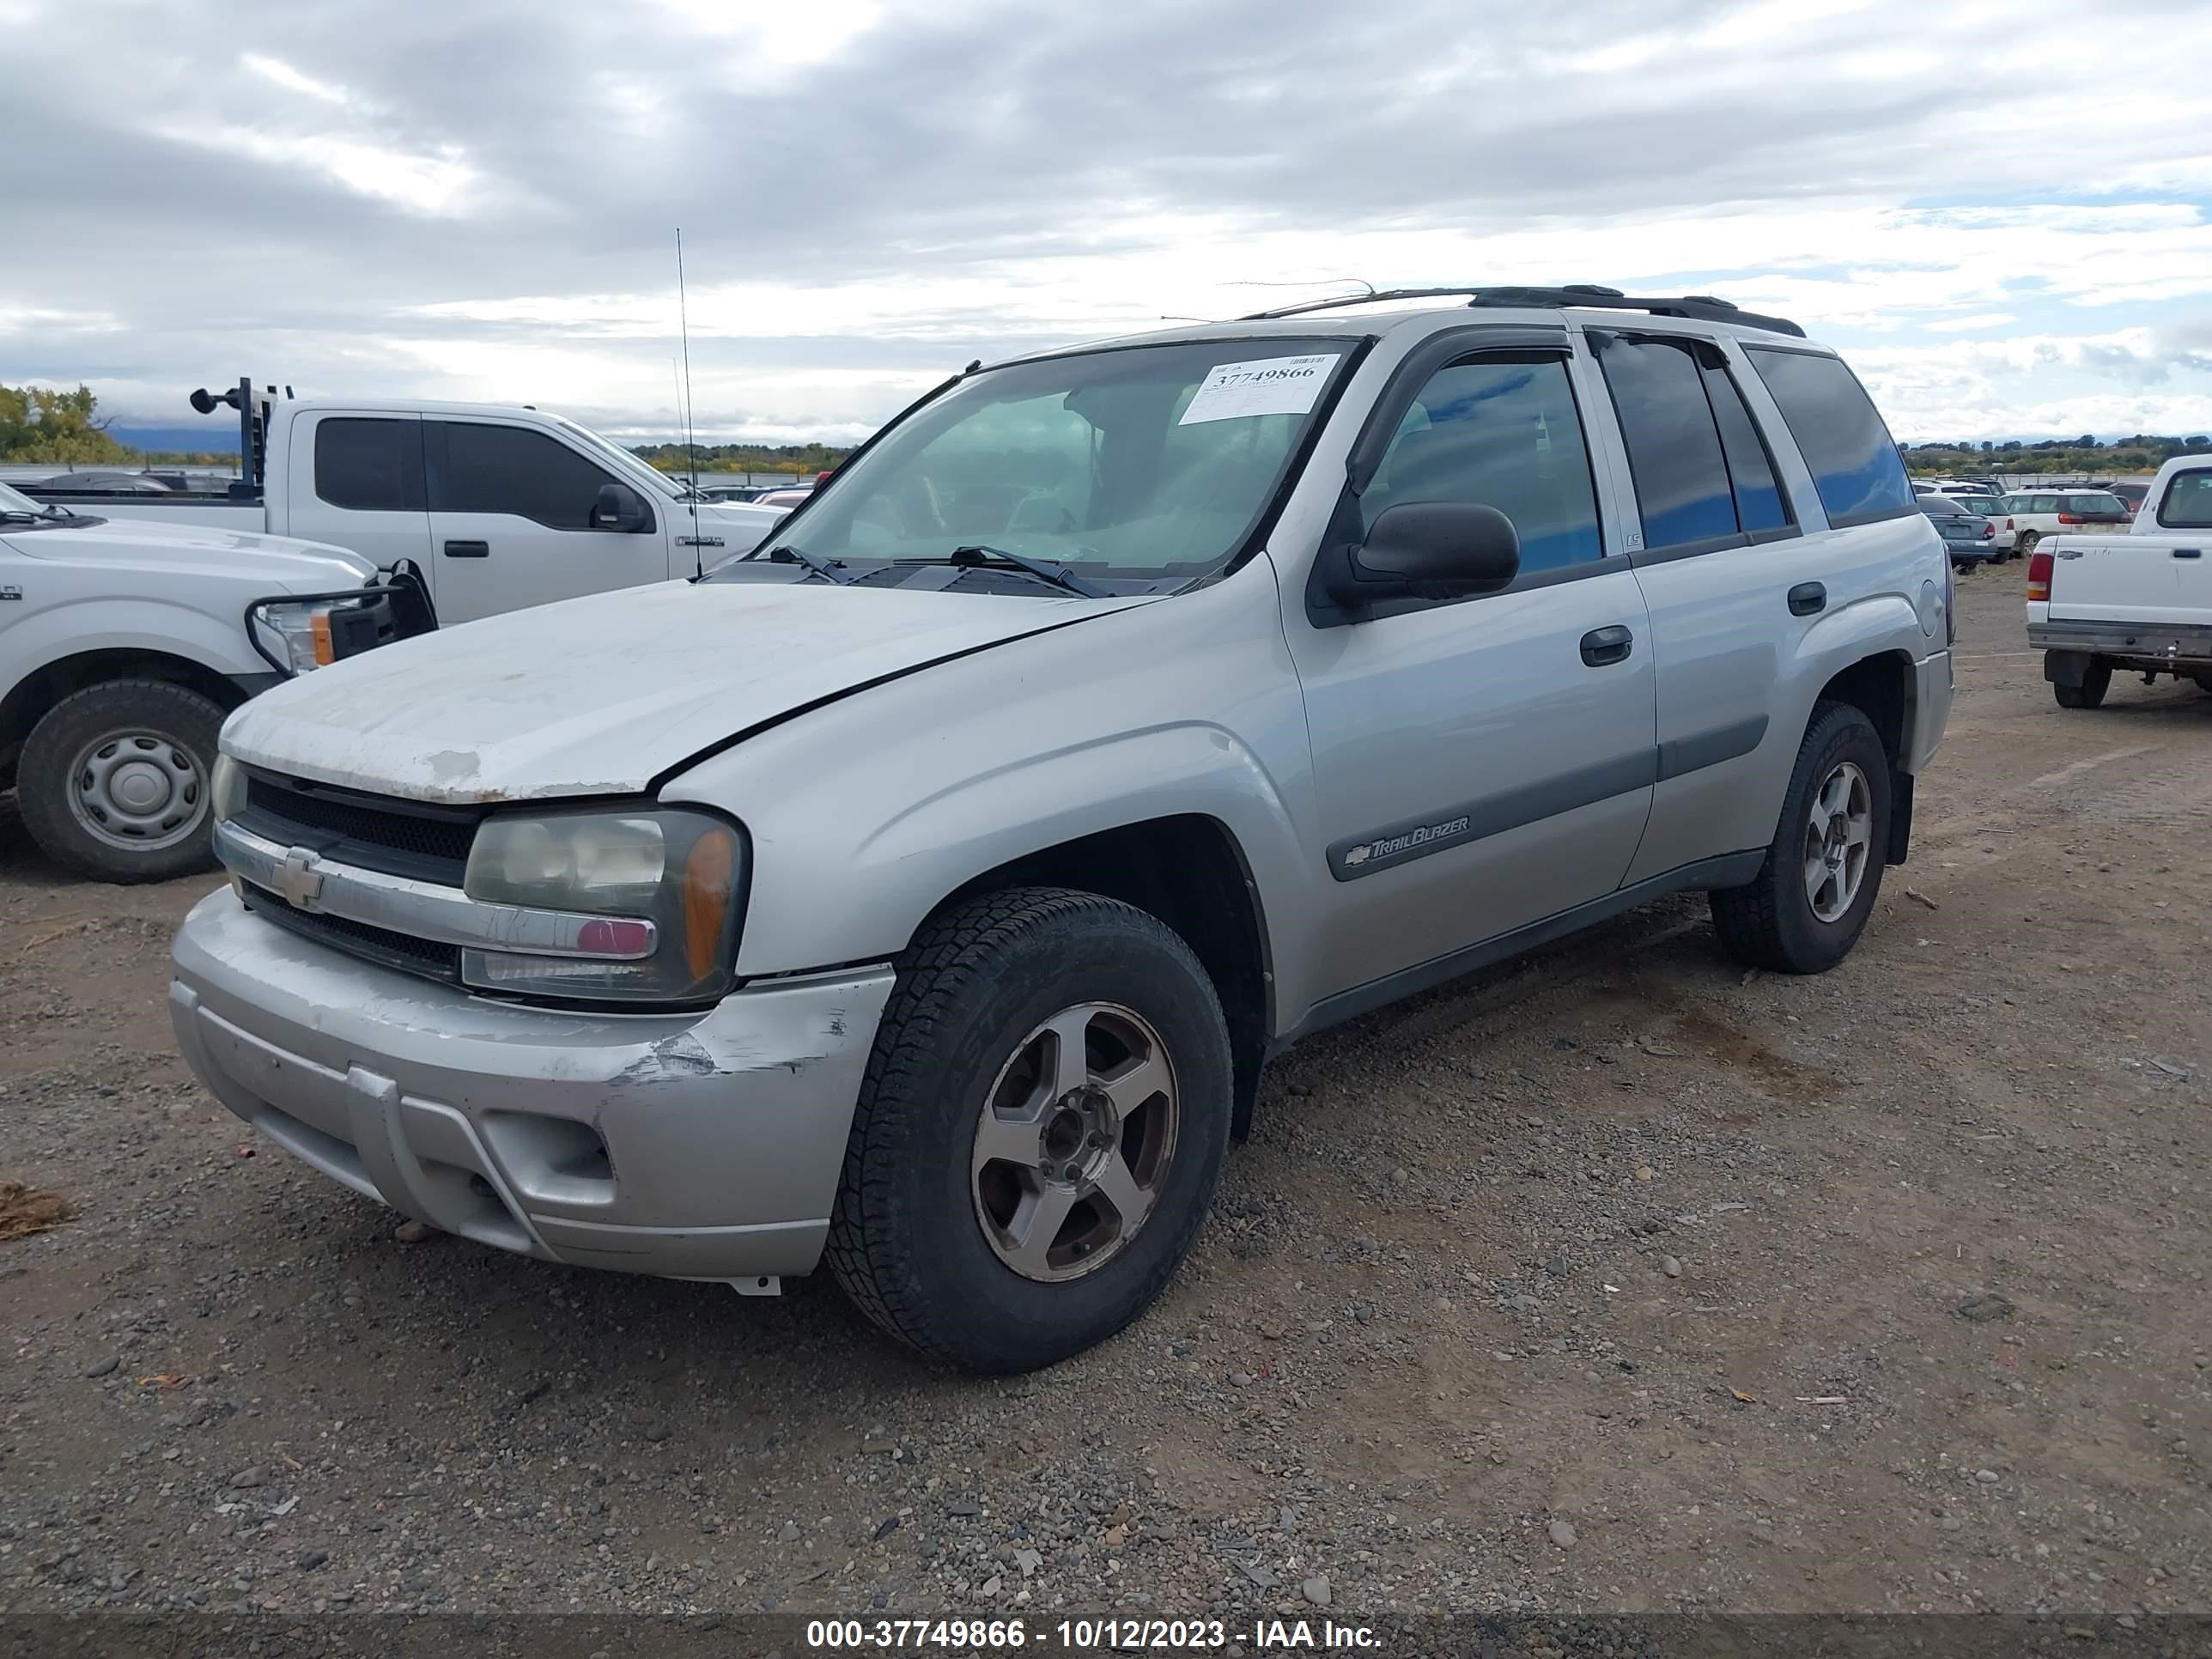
(2097,504)
(1149,466)
(1853,461)
(369,465)
(511,469)
(2188,503)
(1674,449)
(1758,503)
(2043,504)
(1502,431)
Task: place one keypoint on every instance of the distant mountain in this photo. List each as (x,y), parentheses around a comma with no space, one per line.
(210,436)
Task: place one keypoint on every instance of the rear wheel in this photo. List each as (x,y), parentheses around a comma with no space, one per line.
(1806,907)
(1040,1132)
(2026,544)
(113,781)
(2096,680)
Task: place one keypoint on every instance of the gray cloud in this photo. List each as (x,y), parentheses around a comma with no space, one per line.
(207,210)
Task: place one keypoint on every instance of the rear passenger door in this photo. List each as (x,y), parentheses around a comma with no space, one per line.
(1481,764)
(1745,549)
(356,481)
(511,522)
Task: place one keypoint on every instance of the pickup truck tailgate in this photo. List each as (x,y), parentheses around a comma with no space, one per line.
(2149,580)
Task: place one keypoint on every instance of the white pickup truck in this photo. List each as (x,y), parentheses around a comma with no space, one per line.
(2140,601)
(501,506)
(123,645)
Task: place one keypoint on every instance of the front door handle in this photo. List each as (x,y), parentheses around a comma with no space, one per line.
(468,550)
(1602,646)
(1807,599)
(2188,552)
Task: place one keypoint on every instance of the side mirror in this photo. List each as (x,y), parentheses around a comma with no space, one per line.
(620,507)
(1429,551)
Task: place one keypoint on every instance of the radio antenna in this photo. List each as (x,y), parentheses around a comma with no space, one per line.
(690,447)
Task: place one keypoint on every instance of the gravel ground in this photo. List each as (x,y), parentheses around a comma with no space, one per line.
(1615,1280)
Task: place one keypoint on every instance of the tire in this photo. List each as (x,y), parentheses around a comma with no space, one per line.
(2025,545)
(922,1238)
(97,752)
(1771,921)
(2096,680)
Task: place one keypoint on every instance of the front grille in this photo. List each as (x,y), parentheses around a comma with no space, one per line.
(374,832)
(379,945)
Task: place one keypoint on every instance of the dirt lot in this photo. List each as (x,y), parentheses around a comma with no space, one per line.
(1614,1280)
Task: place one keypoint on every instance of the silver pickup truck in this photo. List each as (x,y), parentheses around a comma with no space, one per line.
(924,894)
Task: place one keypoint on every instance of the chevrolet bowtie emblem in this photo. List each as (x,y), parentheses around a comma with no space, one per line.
(297,880)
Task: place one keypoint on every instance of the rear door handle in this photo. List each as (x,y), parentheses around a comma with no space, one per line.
(1603,647)
(2188,552)
(1807,599)
(468,550)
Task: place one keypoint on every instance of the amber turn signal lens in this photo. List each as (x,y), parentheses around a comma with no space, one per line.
(707,878)
(319,627)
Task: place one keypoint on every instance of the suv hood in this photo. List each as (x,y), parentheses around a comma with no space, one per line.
(286,564)
(601,694)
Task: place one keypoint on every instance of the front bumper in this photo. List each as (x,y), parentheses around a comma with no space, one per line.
(697,1146)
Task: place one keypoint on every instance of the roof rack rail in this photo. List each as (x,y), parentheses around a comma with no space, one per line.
(1703,307)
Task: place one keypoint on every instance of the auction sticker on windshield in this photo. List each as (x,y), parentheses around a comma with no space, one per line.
(1266,385)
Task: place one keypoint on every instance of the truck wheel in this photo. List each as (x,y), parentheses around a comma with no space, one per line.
(2096,680)
(1039,1133)
(113,781)
(1810,901)
(2026,542)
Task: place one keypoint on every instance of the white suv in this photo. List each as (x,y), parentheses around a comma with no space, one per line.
(2034,514)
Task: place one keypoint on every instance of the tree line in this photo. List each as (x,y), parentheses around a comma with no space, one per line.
(803,460)
(2141,452)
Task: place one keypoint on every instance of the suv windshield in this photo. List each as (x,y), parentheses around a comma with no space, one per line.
(1136,468)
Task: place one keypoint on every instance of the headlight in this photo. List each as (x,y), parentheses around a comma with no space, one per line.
(667,881)
(228,788)
(300,633)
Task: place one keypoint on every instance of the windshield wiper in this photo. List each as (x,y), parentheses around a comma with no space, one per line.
(975,556)
(55,514)
(827,569)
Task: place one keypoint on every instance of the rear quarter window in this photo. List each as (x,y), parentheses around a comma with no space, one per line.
(369,465)
(2187,504)
(1853,459)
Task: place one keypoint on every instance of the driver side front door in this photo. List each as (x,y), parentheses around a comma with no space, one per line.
(511,522)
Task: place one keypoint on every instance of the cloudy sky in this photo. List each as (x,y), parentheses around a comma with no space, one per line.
(2002,212)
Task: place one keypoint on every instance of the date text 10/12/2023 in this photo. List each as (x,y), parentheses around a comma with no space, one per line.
(1082,1635)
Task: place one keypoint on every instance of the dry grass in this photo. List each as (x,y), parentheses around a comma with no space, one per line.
(23,1211)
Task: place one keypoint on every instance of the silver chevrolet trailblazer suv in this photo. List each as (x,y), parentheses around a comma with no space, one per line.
(924,893)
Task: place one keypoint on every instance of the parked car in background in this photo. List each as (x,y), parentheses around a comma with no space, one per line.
(2132,495)
(785,498)
(2033,514)
(2140,602)
(923,897)
(1968,537)
(1990,507)
(123,645)
(501,506)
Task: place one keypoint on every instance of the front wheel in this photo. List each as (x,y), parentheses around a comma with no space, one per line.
(1040,1131)
(1806,907)
(113,781)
